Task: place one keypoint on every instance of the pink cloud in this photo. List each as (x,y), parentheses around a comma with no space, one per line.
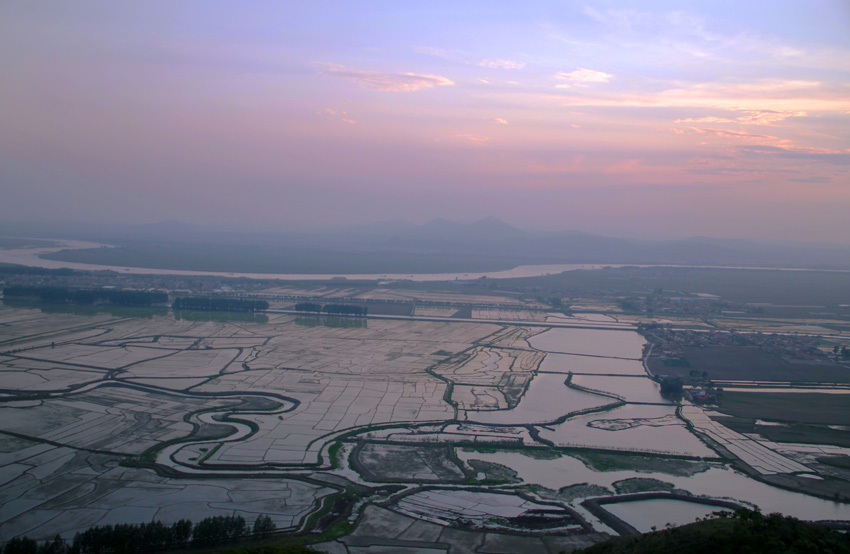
(582,75)
(389,82)
(730,134)
(501,64)
(752,117)
(763,100)
(336,114)
(474,139)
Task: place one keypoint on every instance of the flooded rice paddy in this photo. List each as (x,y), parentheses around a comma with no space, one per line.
(647,423)
(571,388)
(719,481)
(571,363)
(590,342)
(547,399)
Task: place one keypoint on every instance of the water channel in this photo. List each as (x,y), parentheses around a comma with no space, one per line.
(646,423)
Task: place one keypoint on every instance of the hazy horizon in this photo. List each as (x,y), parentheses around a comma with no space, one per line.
(667,121)
(66,229)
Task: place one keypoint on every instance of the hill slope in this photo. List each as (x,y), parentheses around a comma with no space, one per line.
(745,532)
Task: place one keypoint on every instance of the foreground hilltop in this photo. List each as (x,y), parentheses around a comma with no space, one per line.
(743,532)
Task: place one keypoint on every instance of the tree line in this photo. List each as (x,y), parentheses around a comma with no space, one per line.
(128,538)
(27,270)
(334,309)
(212,304)
(62,295)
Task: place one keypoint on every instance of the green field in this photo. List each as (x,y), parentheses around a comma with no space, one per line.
(811,408)
(749,363)
(782,288)
(809,418)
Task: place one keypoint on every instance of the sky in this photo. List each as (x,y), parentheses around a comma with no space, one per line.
(647,119)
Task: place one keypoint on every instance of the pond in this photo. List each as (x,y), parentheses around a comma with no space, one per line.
(569,363)
(547,399)
(719,481)
(633,427)
(644,515)
(590,342)
(630,389)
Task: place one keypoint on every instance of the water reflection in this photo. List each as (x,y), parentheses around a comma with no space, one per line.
(633,427)
(644,515)
(330,321)
(146,312)
(590,342)
(719,481)
(220,317)
(547,399)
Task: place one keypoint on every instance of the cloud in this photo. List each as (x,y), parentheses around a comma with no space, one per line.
(619,18)
(798,153)
(501,64)
(336,114)
(499,120)
(812,180)
(389,82)
(474,139)
(710,119)
(731,134)
(766,117)
(752,117)
(582,75)
(762,100)
(451,55)
(468,59)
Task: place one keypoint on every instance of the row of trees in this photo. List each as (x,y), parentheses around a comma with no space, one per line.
(26,270)
(334,309)
(209,303)
(61,295)
(148,537)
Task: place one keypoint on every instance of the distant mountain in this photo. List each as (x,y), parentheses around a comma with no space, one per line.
(488,239)
(485,230)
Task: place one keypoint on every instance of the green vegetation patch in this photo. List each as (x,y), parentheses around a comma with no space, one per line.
(581,490)
(620,462)
(641,484)
(492,473)
(541,453)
